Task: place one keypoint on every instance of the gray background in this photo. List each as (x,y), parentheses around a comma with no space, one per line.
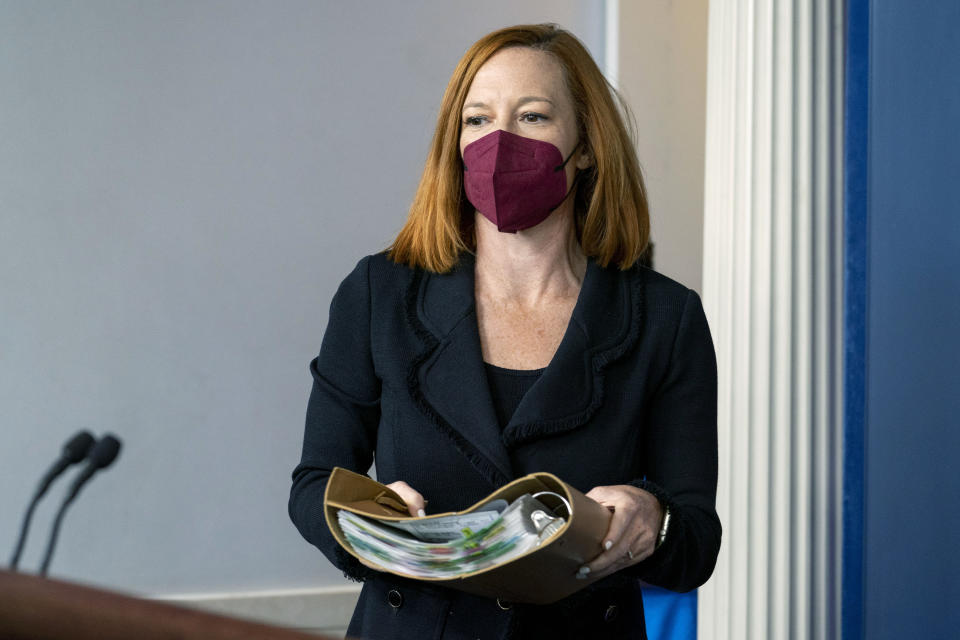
(182,187)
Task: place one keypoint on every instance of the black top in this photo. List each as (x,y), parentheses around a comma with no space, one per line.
(507,388)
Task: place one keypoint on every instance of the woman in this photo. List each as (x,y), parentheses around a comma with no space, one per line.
(510,329)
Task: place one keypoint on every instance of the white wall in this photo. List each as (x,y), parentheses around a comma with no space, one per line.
(662,61)
(182,187)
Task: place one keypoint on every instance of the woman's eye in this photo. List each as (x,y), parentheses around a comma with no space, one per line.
(473,121)
(533,117)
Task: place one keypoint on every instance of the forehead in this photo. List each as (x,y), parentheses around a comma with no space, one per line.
(516,71)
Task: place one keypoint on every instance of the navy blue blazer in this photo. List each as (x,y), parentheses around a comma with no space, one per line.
(630,397)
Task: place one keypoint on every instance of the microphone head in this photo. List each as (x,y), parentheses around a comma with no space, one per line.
(104,452)
(77,448)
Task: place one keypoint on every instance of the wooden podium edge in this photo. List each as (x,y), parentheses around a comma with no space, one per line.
(34,608)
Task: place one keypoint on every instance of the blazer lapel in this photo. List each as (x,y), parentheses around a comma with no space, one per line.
(605,324)
(448,381)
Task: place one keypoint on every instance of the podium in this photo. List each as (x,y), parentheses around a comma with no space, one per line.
(34,608)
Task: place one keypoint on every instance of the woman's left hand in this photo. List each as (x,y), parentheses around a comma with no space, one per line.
(633,530)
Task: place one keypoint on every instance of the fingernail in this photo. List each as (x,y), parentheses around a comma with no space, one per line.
(583,571)
(421,513)
(608,544)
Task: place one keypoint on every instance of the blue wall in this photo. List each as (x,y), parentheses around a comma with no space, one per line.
(905,153)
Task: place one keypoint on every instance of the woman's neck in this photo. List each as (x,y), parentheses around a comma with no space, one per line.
(530,266)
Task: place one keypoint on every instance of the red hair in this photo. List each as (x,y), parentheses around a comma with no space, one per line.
(610,208)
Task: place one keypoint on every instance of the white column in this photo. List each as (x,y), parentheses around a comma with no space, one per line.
(771,289)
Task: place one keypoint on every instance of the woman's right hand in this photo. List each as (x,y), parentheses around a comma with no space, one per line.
(414,501)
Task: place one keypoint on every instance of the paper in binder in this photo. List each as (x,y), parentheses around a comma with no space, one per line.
(451,546)
(522,543)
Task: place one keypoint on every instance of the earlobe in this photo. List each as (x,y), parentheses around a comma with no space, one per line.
(585,161)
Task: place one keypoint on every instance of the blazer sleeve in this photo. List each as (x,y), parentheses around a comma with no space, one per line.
(342,415)
(680,460)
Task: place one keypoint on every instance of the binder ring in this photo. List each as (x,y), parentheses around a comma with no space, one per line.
(556,495)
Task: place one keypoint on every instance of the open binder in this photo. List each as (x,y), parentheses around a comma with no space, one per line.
(541,574)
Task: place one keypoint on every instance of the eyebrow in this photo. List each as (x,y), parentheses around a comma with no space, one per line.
(521,101)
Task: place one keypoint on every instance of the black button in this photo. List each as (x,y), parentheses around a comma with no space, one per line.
(395,599)
(611,613)
(506,606)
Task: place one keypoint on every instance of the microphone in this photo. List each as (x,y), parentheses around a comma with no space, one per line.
(74,450)
(101,456)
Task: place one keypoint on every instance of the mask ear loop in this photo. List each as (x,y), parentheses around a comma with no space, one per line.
(564,163)
(576,176)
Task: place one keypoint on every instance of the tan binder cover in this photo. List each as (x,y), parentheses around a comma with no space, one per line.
(540,576)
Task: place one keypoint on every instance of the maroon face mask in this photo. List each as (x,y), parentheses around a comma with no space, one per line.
(515,182)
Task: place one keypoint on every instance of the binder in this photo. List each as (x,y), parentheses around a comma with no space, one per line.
(540,576)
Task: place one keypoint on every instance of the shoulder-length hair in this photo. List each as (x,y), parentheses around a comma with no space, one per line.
(610,208)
